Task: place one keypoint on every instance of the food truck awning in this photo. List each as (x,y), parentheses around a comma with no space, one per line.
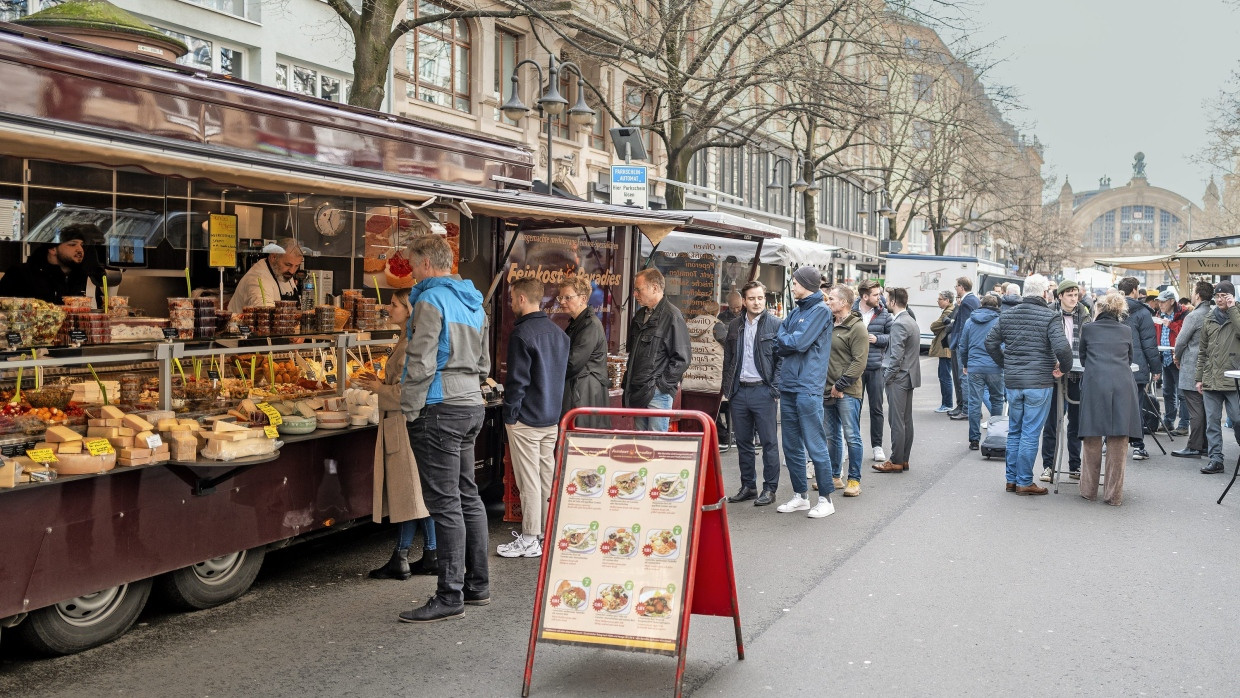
(573,212)
(795,252)
(1152,262)
(785,252)
(1220,261)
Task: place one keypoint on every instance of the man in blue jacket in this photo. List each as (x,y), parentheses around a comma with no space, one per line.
(804,343)
(981,373)
(877,321)
(967,303)
(446,361)
(533,395)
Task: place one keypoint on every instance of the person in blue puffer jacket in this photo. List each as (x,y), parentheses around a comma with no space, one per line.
(804,342)
(980,372)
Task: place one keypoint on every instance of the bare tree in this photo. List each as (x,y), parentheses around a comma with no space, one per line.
(376,28)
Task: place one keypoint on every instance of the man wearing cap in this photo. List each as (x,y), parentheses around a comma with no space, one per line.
(54,270)
(804,343)
(1074,315)
(270,279)
(1169,320)
(1144,355)
(1219,353)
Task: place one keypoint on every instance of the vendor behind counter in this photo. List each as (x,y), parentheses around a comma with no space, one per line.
(54,271)
(274,274)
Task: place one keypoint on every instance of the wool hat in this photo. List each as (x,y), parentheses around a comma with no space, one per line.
(808,277)
(1067,285)
(1224,287)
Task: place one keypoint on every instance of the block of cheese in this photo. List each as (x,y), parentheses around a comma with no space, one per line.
(103,422)
(218,449)
(158,415)
(126,431)
(169,424)
(143,435)
(59,434)
(45,444)
(69,447)
(227,435)
(135,453)
(182,445)
(111,412)
(10,472)
(222,427)
(136,423)
(147,460)
(160,450)
(122,441)
(102,432)
(191,424)
(83,463)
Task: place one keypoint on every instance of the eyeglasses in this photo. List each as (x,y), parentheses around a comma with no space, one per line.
(561,299)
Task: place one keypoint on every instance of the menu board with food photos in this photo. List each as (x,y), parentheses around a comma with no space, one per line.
(619,541)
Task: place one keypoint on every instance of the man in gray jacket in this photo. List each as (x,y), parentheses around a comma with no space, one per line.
(1187,344)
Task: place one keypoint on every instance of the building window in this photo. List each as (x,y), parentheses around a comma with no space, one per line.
(232,62)
(923,87)
(201,51)
(507,54)
(598,127)
(239,8)
(311,82)
(13,9)
(1168,228)
(329,89)
(912,46)
(639,111)
(922,135)
(305,81)
(437,57)
(1136,224)
(282,76)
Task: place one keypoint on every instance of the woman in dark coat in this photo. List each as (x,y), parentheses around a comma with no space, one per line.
(1109,405)
(585,384)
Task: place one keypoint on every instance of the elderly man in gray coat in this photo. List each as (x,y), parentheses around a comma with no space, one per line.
(1187,344)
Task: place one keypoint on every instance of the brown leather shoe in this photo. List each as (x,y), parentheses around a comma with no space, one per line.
(1030,489)
(1011,487)
(889,467)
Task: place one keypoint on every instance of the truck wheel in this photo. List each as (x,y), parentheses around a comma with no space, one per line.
(87,621)
(212,582)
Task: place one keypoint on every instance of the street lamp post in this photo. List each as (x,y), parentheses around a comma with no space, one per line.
(551,102)
(799,186)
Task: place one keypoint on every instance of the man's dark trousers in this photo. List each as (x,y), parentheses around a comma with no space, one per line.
(755,408)
(872,381)
(1050,431)
(443,442)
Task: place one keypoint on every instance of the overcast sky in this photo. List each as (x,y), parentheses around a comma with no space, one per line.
(1102,79)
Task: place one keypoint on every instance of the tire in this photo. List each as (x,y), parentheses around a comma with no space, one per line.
(86,621)
(211,582)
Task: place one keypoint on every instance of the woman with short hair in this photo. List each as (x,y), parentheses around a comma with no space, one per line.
(1109,404)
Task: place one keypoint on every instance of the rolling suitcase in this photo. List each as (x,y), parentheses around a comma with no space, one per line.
(994,443)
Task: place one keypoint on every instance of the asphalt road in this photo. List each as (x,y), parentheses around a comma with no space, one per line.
(932,582)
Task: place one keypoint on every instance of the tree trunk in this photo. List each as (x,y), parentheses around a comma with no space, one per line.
(808,200)
(372,55)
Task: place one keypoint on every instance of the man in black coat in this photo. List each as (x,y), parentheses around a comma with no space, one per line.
(751,385)
(1144,355)
(966,303)
(878,325)
(659,350)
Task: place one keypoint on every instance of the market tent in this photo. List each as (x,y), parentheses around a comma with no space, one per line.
(1222,261)
(781,251)
(795,252)
(1152,262)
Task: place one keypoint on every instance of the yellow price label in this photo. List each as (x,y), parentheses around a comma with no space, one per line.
(273,415)
(42,455)
(99,447)
(271,431)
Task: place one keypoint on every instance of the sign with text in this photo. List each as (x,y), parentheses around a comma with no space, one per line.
(628,186)
(222,240)
(620,543)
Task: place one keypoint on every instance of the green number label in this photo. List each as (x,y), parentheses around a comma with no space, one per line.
(585,582)
(628,586)
(642,472)
(593,525)
(676,530)
(671,588)
(637,528)
(602,469)
(684,475)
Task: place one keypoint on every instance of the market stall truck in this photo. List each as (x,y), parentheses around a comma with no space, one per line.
(926,275)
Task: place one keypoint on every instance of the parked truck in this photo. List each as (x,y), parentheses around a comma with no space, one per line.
(926,275)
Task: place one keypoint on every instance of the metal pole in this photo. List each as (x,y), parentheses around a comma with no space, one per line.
(552,74)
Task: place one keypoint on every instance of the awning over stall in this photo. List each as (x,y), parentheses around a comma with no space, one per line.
(1152,262)
(785,252)
(503,205)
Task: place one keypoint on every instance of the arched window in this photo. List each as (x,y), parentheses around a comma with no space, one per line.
(437,57)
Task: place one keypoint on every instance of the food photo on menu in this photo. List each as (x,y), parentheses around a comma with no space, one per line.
(586,482)
(578,538)
(620,541)
(570,594)
(613,598)
(629,485)
(671,487)
(654,602)
(664,543)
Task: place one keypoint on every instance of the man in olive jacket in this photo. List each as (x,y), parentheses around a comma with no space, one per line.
(1219,352)
(659,351)
(751,385)
(850,347)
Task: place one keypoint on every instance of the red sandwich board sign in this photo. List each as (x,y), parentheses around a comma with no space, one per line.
(635,520)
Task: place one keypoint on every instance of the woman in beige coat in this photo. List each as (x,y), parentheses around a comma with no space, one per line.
(398,491)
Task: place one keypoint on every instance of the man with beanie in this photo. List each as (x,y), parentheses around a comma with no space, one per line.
(1074,315)
(55,270)
(804,343)
(1219,353)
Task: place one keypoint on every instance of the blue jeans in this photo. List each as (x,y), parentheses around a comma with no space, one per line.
(1027,410)
(979,385)
(945,380)
(660,401)
(843,424)
(406,529)
(800,418)
(754,409)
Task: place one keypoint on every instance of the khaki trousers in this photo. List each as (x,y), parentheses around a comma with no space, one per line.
(1091,462)
(532,450)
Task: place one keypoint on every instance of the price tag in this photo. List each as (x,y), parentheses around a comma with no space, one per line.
(154,441)
(14,338)
(244,330)
(78,336)
(170,333)
(99,447)
(42,455)
(271,431)
(273,415)
(331,379)
(213,374)
(329,366)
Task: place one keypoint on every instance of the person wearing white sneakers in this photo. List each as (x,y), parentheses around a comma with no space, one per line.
(533,394)
(804,342)
(877,321)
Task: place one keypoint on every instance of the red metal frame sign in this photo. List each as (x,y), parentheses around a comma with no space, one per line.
(635,518)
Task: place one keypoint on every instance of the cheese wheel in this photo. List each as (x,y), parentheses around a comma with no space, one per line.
(83,463)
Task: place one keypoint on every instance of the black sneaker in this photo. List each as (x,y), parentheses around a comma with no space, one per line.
(973,445)
(1140,454)
(477,598)
(433,612)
